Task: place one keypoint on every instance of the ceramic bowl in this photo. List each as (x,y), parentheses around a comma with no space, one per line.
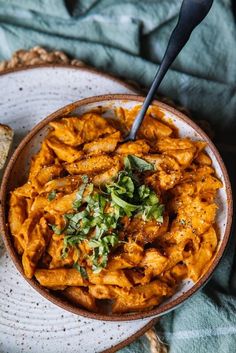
(17,171)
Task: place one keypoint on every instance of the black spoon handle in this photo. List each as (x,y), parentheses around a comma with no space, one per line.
(192,12)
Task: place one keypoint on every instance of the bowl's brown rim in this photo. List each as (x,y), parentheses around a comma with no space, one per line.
(66,305)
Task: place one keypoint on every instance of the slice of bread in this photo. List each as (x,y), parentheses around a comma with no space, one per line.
(6,137)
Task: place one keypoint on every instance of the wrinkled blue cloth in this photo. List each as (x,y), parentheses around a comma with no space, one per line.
(128,38)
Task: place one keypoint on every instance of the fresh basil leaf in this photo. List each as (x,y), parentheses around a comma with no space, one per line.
(111,239)
(127,207)
(70,230)
(74,239)
(81,270)
(136,163)
(153,211)
(144,192)
(79,197)
(52,195)
(124,185)
(111,221)
(103,261)
(64,252)
(97,268)
(56,230)
(94,243)
(85,179)
(98,205)
(127,164)
(101,249)
(118,212)
(158,213)
(102,202)
(153,198)
(77,217)
(76,204)
(68,216)
(128,185)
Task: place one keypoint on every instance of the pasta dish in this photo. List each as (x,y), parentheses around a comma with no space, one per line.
(116,227)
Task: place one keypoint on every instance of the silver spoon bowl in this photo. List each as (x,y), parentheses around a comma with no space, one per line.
(192,13)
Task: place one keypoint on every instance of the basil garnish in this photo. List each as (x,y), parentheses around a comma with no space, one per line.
(138,164)
(98,215)
(52,195)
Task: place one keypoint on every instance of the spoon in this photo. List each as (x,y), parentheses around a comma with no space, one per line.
(192,13)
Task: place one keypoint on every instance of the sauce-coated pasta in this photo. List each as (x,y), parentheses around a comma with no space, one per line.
(127,222)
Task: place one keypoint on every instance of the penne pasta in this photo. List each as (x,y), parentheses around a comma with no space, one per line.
(121,224)
(59,277)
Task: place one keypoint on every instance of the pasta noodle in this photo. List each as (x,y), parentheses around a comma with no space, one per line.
(125,223)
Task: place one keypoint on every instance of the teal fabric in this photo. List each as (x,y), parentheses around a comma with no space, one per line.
(128,38)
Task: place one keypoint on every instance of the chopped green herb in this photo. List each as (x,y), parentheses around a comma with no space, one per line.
(124,205)
(101,249)
(64,252)
(151,207)
(124,185)
(130,197)
(101,212)
(154,211)
(85,179)
(81,270)
(52,195)
(56,230)
(144,192)
(136,163)
(79,197)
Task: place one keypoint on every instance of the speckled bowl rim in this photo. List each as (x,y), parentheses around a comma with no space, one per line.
(129,84)
(158,311)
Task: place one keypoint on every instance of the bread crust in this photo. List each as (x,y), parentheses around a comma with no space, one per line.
(6,137)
